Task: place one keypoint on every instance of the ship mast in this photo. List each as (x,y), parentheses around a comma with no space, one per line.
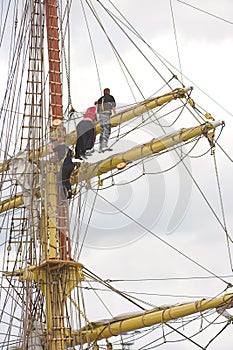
(56,274)
(54,62)
(87,171)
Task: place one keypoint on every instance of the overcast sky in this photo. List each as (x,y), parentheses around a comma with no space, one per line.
(205,57)
(199,45)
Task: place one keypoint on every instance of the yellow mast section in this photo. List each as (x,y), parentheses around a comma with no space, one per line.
(137,110)
(149,318)
(88,171)
(119,118)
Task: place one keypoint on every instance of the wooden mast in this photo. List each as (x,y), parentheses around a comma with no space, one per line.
(115,327)
(54,62)
(56,275)
(89,170)
(117,119)
(58,132)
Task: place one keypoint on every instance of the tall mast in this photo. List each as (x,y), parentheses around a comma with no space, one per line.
(40,276)
(56,275)
(54,62)
(88,171)
(58,134)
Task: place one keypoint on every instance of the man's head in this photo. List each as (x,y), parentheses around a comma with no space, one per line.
(106,91)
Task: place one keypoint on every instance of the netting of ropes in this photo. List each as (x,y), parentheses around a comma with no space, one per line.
(91,196)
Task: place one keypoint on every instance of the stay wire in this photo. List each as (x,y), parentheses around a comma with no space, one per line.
(80,213)
(160,338)
(223,211)
(136,46)
(122,64)
(127,297)
(207,202)
(158,172)
(164,241)
(183,335)
(206,12)
(131,293)
(181,158)
(163,60)
(203,316)
(66,59)
(117,54)
(226,154)
(149,119)
(16,49)
(166,279)
(88,223)
(3,28)
(136,335)
(137,34)
(188,322)
(92,45)
(100,299)
(225,326)
(176,40)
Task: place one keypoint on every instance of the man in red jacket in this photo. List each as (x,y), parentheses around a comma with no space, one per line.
(86,133)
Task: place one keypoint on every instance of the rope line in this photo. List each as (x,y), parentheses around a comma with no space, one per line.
(164,241)
(206,12)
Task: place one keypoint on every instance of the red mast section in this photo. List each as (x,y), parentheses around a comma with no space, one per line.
(54,62)
(58,132)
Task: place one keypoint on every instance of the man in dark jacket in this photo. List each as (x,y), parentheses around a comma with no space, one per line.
(105,107)
(64,155)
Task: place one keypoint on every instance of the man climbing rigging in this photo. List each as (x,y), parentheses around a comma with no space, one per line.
(64,155)
(105,108)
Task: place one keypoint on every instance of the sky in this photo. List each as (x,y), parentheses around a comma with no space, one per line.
(204,45)
(198,47)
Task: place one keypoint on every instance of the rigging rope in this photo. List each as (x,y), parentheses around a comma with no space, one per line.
(130,293)
(229,240)
(66,60)
(145,347)
(133,30)
(166,279)
(115,51)
(206,12)
(101,300)
(5,16)
(127,297)
(176,40)
(134,44)
(92,48)
(164,241)
(89,220)
(225,326)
